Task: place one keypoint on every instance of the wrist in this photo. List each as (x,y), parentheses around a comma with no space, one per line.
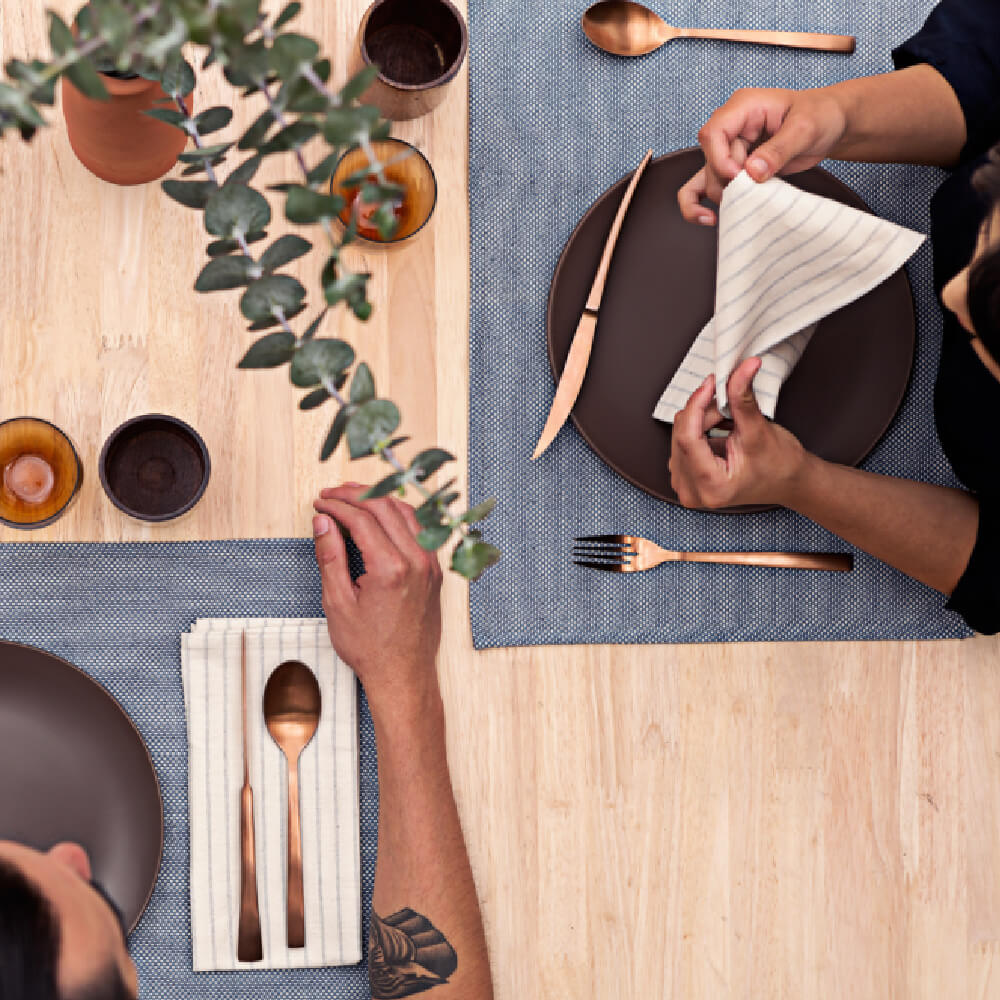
(800,481)
(407,702)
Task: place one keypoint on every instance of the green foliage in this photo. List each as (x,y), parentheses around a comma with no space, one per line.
(258,55)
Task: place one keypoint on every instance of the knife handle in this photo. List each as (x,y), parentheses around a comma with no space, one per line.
(249,947)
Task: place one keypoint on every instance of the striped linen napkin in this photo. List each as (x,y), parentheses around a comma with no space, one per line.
(787,258)
(329,789)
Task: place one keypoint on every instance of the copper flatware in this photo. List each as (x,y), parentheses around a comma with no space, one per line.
(583,340)
(631,554)
(249,947)
(625,28)
(291,711)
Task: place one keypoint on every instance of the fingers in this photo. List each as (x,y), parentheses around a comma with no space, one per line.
(331,557)
(739,389)
(793,138)
(689,200)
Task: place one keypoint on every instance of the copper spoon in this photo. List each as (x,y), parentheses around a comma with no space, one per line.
(625,28)
(291,712)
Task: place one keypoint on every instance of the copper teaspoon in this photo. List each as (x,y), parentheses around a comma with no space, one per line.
(291,712)
(625,28)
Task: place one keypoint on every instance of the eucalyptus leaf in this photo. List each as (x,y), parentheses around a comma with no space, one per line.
(480,512)
(192,194)
(290,11)
(270,352)
(314,326)
(373,423)
(434,537)
(86,79)
(168,115)
(224,272)
(363,384)
(385,486)
(289,52)
(428,462)
(336,432)
(316,360)
(356,86)
(349,287)
(177,78)
(205,153)
(313,399)
(284,250)
(290,137)
(236,208)
(60,37)
(361,309)
(472,557)
(257,133)
(268,321)
(305,206)
(245,172)
(323,170)
(213,119)
(269,294)
(219,247)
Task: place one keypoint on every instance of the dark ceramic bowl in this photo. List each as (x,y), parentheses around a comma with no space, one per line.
(154,467)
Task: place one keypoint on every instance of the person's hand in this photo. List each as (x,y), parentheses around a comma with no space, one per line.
(767,131)
(387,626)
(761,460)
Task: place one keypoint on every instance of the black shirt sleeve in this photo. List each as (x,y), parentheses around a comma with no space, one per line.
(977,596)
(961,40)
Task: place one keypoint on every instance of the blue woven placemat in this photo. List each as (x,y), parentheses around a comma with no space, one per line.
(555,122)
(117,612)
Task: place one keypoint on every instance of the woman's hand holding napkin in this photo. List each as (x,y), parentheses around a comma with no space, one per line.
(787,258)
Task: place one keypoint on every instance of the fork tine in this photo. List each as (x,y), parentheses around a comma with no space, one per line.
(607,548)
(609,566)
(601,538)
(613,560)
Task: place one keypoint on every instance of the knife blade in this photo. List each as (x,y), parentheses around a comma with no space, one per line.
(249,946)
(575,368)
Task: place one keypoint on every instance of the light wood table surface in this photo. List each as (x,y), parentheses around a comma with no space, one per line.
(754,821)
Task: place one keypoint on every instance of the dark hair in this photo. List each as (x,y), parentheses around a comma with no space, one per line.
(984,275)
(29,946)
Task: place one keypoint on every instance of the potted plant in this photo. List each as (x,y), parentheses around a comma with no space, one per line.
(260,55)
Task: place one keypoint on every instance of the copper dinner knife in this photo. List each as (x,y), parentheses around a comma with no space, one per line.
(249,947)
(583,340)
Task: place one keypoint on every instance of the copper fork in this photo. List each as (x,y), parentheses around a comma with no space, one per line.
(631,554)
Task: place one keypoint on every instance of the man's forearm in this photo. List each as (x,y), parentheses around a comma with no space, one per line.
(926,531)
(427,931)
(909,116)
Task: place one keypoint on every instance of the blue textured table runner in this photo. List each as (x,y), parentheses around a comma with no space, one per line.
(555,122)
(117,612)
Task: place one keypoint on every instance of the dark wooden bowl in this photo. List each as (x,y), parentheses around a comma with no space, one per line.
(154,467)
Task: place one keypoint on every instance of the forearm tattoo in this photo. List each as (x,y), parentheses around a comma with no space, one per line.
(407,954)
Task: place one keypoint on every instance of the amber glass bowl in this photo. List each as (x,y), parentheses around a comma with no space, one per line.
(404,165)
(40,472)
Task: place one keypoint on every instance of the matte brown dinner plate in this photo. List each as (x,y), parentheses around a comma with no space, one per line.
(841,397)
(73,767)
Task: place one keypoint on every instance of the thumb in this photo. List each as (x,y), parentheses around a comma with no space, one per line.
(742,401)
(331,558)
(794,138)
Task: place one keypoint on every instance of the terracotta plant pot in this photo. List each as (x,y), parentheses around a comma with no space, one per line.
(114,139)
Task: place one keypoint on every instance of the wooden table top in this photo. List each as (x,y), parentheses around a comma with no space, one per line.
(805,821)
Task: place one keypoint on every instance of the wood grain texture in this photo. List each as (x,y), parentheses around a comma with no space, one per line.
(808,821)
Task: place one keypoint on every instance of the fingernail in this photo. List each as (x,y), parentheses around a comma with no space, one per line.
(352,484)
(759,167)
(321,525)
(705,220)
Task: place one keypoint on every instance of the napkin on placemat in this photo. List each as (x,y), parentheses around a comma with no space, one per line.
(328,779)
(787,258)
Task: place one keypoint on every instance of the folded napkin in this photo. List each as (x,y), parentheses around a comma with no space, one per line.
(329,789)
(787,258)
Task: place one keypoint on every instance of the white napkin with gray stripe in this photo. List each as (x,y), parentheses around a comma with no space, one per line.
(329,780)
(787,258)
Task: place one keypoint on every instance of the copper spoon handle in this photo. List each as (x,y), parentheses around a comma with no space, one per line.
(296,895)
(249,947)
(790,39)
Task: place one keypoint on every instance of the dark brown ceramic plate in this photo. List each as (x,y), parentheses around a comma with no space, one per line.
(73,767)
(840,399)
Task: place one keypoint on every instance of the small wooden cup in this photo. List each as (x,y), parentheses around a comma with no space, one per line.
(154,467)
(419,47)
(405,166)
(40,472)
